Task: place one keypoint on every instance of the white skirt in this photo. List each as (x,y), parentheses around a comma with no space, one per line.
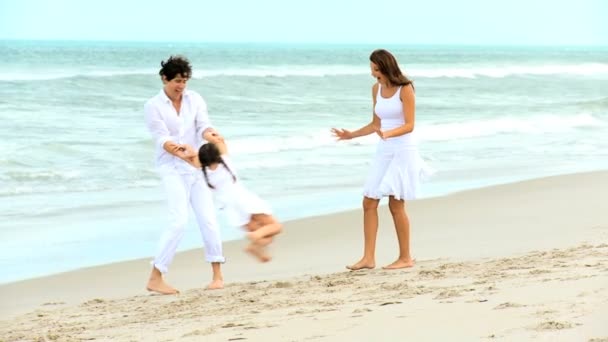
(396,171)
(239,204)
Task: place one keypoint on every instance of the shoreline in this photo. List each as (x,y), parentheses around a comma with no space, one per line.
(192,238)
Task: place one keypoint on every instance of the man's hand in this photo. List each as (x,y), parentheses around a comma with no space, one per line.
(188,151)
(173,148)
(184,152)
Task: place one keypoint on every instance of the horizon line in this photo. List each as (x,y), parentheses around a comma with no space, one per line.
(318,43)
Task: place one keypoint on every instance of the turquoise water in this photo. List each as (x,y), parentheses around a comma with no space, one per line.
(77,183)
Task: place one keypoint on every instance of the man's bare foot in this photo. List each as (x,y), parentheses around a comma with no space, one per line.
(159,286)
(216,284)
(258,252)
(400,264)
(362,264)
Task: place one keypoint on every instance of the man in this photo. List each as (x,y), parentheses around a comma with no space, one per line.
(177,117)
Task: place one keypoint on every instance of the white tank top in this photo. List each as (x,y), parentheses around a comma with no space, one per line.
(225,189)
(221,178)
(390,112)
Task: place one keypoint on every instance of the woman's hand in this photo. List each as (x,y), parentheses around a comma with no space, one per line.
(381,134)
(342,134)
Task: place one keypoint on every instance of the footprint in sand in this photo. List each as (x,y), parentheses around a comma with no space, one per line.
(53,303)
(447,294)
(282,284)
(199,332)
(508,305)
(555,325)
(389,303)
(431,274)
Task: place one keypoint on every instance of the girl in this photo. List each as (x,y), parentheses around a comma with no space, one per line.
(243,208)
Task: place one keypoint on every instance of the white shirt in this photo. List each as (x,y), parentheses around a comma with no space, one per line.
(165,124)
(224,186)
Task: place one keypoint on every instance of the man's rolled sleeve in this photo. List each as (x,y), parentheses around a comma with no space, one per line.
(202,117)
(156,126)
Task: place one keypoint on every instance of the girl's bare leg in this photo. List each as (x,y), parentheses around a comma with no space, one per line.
(258,251)
(265,241)
(268,227)
(262,228)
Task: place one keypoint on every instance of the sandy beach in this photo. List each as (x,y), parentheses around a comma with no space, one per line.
(526,261)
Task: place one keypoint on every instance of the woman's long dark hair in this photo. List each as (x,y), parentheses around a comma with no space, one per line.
(388,66)
(209,154)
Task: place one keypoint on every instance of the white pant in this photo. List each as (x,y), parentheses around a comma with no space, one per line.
(184,189)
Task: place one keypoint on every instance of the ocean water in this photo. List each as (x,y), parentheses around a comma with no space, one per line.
(77,182)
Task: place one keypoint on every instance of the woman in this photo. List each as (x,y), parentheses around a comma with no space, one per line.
(397,167)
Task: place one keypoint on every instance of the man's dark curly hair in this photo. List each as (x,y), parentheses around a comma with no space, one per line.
(174,66)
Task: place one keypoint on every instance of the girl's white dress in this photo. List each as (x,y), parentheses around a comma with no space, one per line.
(237,202)
(397,168)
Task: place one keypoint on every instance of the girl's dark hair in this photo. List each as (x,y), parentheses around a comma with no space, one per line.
(175,65)
(388,66)
(209,154)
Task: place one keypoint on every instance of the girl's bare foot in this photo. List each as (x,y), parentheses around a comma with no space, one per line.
(159,286)
(258,237)
(400,264)
(252,236)
(216,284)
(362,264)
(263,242)
(258,252)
